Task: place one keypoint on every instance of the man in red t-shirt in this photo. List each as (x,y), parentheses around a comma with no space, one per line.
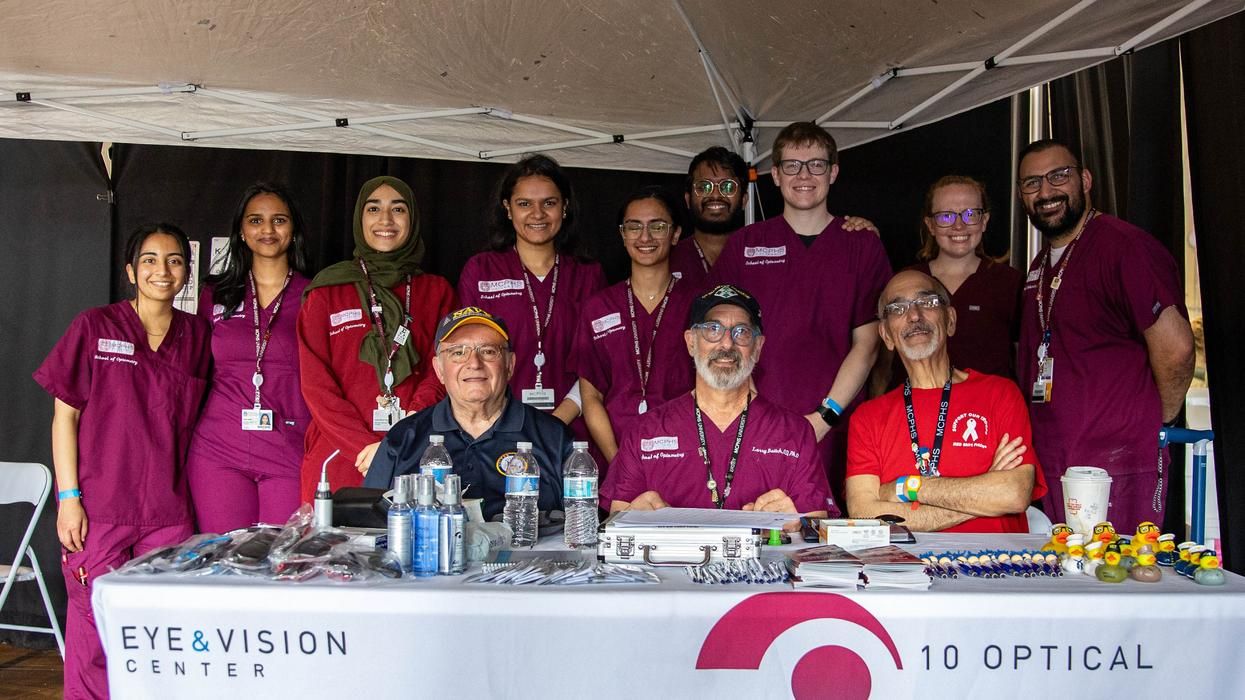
(949,450)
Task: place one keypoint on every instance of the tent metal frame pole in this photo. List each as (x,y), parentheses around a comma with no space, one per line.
(104,116)
(324,123)
(1036,34)
(718,101)
(308,114)
(1161,25)
(110,92)
(594,138)
(712,66)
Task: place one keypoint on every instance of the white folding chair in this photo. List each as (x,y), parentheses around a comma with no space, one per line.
(26,482)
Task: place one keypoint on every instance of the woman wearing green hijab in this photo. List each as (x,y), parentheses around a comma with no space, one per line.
(365,336)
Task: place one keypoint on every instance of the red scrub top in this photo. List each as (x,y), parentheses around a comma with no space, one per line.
(662,454)
(983,407)
(494,282)
(341,390)
(1106,411)
(811,297)
(219,437)
(138,410)
(605,351)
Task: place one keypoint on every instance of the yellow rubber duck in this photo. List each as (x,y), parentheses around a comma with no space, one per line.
(1110,571)
(1208,572)
(1147,533)
(1146,569)
(1105,533)
(1058,539)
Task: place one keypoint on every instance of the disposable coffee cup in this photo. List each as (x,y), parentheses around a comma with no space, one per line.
(1086,497)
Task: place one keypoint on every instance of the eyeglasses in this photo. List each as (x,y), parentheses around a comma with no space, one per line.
(656,228)
(946,219)
(712,332)
(816,166)
(459,353)
(1056,177)
(895,309)
(704,188)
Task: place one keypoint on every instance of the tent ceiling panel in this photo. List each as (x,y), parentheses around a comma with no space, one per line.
(559,75)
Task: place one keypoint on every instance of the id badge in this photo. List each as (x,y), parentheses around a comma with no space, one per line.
(386,416)
(400,335)
(257,419)
(1045,381)
(538,398)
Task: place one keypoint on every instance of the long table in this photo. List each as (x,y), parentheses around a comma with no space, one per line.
(224,636)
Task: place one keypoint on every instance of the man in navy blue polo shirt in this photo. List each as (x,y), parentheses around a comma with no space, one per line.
(478,418)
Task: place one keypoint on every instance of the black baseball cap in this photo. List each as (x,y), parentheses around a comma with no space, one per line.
(470,315)
(726,294)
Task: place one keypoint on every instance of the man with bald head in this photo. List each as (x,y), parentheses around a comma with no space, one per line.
(951,448)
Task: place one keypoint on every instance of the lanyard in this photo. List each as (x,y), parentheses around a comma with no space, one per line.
(1046,310)
(645,370)
(928,467)
(703,262)
(378,323)
(261,339)
(719,503)
(539,360)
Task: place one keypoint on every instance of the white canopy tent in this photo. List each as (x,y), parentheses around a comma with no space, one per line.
(638,85)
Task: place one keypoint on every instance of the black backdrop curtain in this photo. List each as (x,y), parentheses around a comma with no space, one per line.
(1214,75)
(197,189)
(1123,119)
(54,252)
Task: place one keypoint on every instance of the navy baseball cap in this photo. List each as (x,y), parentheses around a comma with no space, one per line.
(470,315)
(726,294)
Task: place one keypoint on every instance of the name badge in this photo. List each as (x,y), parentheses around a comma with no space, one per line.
(538,398)
(115,347)
(1045,381)
(257,419)
(606,322)
(400,335)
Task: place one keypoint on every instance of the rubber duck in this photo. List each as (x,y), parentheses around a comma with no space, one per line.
(1166,550)
(1094,552)
(1128,557)
(1105,532)
(1146,569)
(1182,556)
(1147,533)
(1195,560)
(1074,560)
(1058,539)
(1110,570)
(1208,572)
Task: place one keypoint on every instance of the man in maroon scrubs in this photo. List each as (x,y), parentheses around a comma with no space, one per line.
(819,281)
(723,445)
(716,195)
(949,450)
(1106,351)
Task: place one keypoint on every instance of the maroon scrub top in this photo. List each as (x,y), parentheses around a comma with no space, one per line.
(605,351)
(662,454)
(494,281)
(987,320)
(219,437)
(138,410)
(687,261)
(811,297)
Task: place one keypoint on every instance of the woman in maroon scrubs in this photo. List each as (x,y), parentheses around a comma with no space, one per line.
(128,379)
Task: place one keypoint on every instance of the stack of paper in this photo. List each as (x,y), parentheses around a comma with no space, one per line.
(826,566)
(891,567)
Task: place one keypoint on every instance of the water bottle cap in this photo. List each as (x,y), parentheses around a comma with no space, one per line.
(436,439)
(579,445)
(523,446)
(427,490)
(453,490)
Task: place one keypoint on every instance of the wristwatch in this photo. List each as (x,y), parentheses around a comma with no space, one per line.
(830,411)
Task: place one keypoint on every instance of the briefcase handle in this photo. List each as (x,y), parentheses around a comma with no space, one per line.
(706,548)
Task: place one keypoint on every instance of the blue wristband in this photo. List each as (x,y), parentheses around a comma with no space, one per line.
(832,405)
(68,493)
(901,491)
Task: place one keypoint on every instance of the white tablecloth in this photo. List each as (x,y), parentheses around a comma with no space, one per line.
(220,637)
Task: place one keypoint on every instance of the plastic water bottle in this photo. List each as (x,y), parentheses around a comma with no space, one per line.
(427,526)
(451,557)
(399,521)
(579,497)
(436,459)
(522,492)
